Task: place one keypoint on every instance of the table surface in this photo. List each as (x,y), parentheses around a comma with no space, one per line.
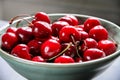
(7,73)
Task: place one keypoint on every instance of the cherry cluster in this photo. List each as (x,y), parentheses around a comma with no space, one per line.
(65,40)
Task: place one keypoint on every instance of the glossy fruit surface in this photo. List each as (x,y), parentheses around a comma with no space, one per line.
(34,46)
(41,29)
(64,59)
(107,46)
(98,33)
(93,53)
(90,23)
(41,16)
(57,26)
(22,51)
(68,31)
(50,48)
(9,40)
(38,59)
(24,34)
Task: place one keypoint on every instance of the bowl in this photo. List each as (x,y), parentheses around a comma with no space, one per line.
(70,71)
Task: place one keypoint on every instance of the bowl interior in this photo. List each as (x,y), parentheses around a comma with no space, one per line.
(112,28)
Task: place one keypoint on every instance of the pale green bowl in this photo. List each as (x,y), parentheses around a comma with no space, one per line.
(74,71)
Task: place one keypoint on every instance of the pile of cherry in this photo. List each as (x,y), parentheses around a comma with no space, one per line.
(65,40)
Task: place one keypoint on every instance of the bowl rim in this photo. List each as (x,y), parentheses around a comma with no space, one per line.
(28,62)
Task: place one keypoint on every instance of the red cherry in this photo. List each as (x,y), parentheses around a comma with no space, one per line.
(66,19)
(41,29)
(38,59)
(41,16)
(107,46)
(22,51)
(68,31)
(98,33)
(74,19)
(56,27)
(80,26)
(24,34)
(84,35)
(11,29)
(90,23)
(64,59)
(93,53)
(9,40)
(50,48)
(34,46)
(89,43)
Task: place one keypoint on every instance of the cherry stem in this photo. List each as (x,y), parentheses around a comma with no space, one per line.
(76,46)
(29,23)
(19,16)
(68,46)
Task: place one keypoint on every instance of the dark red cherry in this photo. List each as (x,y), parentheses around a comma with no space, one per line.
(78,59)
(56,27)
(9,40)
(66,19)
(74,20)
(24,34)
(41,29)
(89,43)
(90,23)
(68,31)
(93,53)
(50,48)
(98,33)
(41,16)
(71,51)
(11,29)
(64,59)
(84,35)
(107,46)
(21,51)
(38,59)
(34,46)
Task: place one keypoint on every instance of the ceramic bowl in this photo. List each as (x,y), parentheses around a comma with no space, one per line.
(71,71)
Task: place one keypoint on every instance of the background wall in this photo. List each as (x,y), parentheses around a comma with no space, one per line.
(108,9)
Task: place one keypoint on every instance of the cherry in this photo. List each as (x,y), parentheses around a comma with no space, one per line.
(11,29)
(107,46)
(22,51)
(78,59)
(72,20)
(71,51)
(41,16)
(98,33)
(68,31)
(90,23)
(24,34)
(9,40)
(64,59)
(34,46)
(56,27)
(38,59)
(93,53)
(84,35)
(50,48)
(41,29)
(80,26)
(89,43)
